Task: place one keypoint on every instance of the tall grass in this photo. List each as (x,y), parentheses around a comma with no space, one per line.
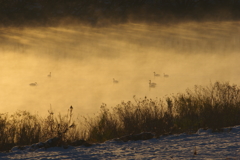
(214,106)
(24,128)
(103,127)
(59,126)
(19,128)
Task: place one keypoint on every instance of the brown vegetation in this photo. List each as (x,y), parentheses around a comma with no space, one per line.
(215,106)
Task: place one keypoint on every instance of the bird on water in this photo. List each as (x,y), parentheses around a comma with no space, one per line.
(33,84)
(156,75)
(50,75)
(165,75)
(151,84)
(115,81)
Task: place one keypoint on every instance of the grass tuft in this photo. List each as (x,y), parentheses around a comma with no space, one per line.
(23,128)
(214,106)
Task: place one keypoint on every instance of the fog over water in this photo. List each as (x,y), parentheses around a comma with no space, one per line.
(84,60)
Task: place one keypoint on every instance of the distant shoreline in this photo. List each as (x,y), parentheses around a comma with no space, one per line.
(104,13)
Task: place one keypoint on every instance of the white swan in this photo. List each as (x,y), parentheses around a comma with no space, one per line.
(49,75)
(33,84)
(115,81)
(152,85)
(165,75)
(156,75)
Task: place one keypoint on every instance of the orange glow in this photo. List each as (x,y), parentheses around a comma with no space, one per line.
(83,62)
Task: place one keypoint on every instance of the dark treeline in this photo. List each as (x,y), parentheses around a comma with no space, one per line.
(22,12)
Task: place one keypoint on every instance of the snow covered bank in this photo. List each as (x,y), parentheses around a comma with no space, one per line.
(206,144)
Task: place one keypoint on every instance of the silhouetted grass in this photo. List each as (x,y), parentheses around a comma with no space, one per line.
(103,127)
(24,128)
(19,128)
(214,106)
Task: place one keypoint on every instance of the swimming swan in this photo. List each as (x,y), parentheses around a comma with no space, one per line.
(156,75)
(115,81)
(33,84)
(49,75)
(165,75)
(152,85)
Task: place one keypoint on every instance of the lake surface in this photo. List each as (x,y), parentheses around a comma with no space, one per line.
(83,62)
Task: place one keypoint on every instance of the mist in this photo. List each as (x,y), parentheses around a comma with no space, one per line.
(83,61)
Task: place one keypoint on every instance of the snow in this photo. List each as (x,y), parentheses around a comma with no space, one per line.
(208,145)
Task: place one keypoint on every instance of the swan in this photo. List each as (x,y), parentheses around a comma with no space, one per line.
(152,84)
(49,75)
(156,75)
(33,84)
(115,81)
(165,75)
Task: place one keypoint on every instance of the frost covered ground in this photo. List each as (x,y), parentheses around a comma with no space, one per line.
(207,145)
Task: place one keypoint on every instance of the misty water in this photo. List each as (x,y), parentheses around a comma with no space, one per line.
(84,60)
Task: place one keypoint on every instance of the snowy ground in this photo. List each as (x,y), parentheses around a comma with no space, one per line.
(224,145)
